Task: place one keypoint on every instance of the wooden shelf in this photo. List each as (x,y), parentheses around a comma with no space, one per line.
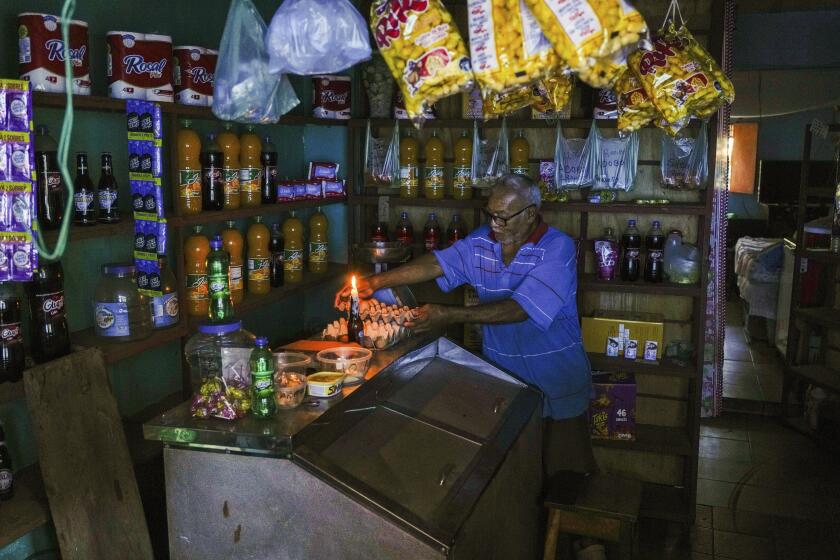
(495,123)
(78,233)
(822,316)
(669,503)
(669,368)
(394,200)
(819,375)
(590,283)
(244,213)
(824,255)
(27,510)
(114,351)
(656,439)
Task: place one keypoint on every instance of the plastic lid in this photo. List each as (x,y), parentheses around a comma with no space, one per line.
(403,214)
(216,242)
(631,222)
(261,342)
(220,328)
(118,268)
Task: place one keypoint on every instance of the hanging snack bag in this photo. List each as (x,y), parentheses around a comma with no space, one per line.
(552,94)
(684,162)
(500,104)
(635,108)
(606,106)
(421,45)
(573,160)
(490,159)
(615,161)
(631,25)
(382,164)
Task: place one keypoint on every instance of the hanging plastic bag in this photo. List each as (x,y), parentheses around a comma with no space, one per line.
(421,45)
(684,162)
(310,37)
(635,108)
(244,90)
(382,161)
(490,160)
(615,161)
(572,160)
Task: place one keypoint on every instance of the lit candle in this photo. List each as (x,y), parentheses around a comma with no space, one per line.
(354,293)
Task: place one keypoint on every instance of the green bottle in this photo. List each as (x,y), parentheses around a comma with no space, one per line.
(262,380)
(218,282)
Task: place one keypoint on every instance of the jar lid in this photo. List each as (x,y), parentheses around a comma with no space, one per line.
(220,328)
(118,268)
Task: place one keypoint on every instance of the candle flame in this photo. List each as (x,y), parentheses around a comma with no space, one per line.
(353,282)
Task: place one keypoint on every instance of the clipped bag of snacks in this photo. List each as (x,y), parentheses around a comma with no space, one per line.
(635,109)
(553,93)
(421,45)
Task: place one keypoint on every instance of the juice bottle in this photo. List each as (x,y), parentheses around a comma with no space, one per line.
(409,170)
(462,167)
(229,143)
(456,230)
(318,248)
(196,249)
(520,152)
(268,177)
(292,250)
(233,243)
(431,234)
(433,185)
(189,171)
(259,257)
(251,170)
(212,186)
(379,233)
(405,231)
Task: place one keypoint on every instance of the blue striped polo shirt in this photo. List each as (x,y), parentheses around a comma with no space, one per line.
(546,349)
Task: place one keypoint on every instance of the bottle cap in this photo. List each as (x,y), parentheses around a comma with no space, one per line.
(656,224)
(186,123)
(230,224)
(261,342)
(432,216)
(631,222)
(220,328)
(403,214)
(216,243)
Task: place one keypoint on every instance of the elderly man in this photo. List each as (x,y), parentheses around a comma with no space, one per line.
(525,275)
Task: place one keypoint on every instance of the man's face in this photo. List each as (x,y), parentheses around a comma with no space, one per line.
(504,203)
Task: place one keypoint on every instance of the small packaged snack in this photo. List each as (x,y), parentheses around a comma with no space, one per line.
(651,350)
(322,170)
(605,105)
(331,97)
(635,108)
(631,349)
(313,190)
(285,191)
(299,190)
(334,189)
(547,184)
(613,346)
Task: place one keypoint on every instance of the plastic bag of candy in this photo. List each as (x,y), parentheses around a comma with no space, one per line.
(421,45)
(382,164)
(490,159)
(220,398)
(635,108)
(615,161)
(684,162)
(573,160)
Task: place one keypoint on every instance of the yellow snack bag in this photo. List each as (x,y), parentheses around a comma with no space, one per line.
(630,28)
(604,71)
(708,63)
(421,45)
(508,47)
(635,108)
(499,104)
(553,93)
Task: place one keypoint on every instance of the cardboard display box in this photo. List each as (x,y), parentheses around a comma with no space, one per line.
(645,328)
(612,413)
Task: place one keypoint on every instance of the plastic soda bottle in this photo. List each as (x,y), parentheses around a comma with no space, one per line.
(462,168)
(268,177)
(606,254)
(229,143)
(405,231)
(218,282)
(50,189)
(431,233)
(631,245)
(409,169)
(189,171)
(262,380)
(212,185)
(456,230)
(258,258)
(433,185)
(318,242)
(251,170)
(196,249)
(655,245)
(520,152)
(275,247)
(233,243)
(292,250)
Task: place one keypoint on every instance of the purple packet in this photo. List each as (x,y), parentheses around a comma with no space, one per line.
(141,275)
(24,260)
(3,115)
(156,162)
(285,192)
(313,190)
(21,214)
(152,198)
(299,189)
(5,174)
(161,237)
(139,235)
(17,111)
(157,121)
(146,149)
(136,195)
(152,270)
(20,162)
(6,253)
(134,151)
(151,232)
(334,189)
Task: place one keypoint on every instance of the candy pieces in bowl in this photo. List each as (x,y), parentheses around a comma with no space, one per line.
(290,378)
(351,361)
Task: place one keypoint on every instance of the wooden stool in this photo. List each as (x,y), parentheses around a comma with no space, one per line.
(603,507)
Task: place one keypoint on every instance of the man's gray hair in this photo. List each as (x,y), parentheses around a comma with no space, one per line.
(524,187)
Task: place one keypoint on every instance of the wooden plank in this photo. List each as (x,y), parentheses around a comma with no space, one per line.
(244,213)
(114,351)
(28,508)
(84,459)
(591,282)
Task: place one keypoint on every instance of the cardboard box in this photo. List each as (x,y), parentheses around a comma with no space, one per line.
(606,324)
(612,413)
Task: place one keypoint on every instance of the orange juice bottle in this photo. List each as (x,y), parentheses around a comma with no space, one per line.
(409,169)
(196,249)
(292,250)
(318,242)
(433,186)
(250,172)
(229,143)
(520,151)
(189,170)
(233,243)
(259,257)
(462,168)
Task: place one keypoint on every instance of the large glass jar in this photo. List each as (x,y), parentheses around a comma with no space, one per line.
(219,350)
(120,311)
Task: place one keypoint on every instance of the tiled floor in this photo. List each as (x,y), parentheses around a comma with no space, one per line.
(751,372)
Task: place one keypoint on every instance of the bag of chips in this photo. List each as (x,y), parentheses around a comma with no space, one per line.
(635,108)
(490,159)
(553,93)
(500,104)
(421,45)
(615,161)
(382,158)
(573,160)
(603,72)
(684,163)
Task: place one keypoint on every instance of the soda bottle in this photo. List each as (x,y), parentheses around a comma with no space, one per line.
(165,308)
(520,151)
(50,335)
(229,143)
(251,170)
(275,247)
(85,213)
(262,379)
(655,244)
(292,250)
(409,169)
(259,259)
(233,243)
(11,338)
(606,254)
(318,242)
(50,187)
(268,158)
(109,211)
(462,168)
(405,231)
(189,170)
(212,185)
(431,233)
(218,282)
(7,477)
(196,249)
(355,325)
(433,185)
(379,233)
(456,230)
(631,244)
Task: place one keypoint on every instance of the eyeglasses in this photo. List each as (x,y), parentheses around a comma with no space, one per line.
(500,220)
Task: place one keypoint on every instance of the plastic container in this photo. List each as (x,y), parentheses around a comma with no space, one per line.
(120,311)
(352,361)
(219,350)
(325,384)
(291,362)
(290,378)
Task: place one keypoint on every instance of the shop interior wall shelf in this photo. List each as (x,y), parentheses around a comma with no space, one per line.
(658,439)
(78,233)
(666,367)
(243,213)
(27,510)
(114,351)
(590,282)
(495,123)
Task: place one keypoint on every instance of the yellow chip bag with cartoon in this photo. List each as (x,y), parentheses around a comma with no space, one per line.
(635,108)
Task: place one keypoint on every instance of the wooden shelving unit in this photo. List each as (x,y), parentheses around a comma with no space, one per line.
(666,367)
(592,283)
(495,123)
(245,213)
(658,439)
(27,510)
(115,351)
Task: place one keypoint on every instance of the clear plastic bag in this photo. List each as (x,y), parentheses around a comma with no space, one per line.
(684,162)
(310,37)
(573,160)
(244,90)
(382,161)
(490,160)
(615,161)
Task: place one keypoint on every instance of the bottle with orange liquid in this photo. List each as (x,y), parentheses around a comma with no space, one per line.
(433,185)
(318,242)
(233,243)
(462,168)
(409,167)
(250,171)
(189,170)
(520,152)
(292,250)
(259,257)
(196,249)
(229,143)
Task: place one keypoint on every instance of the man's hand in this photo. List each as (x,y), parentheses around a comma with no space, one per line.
(366,287)
(429,317)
